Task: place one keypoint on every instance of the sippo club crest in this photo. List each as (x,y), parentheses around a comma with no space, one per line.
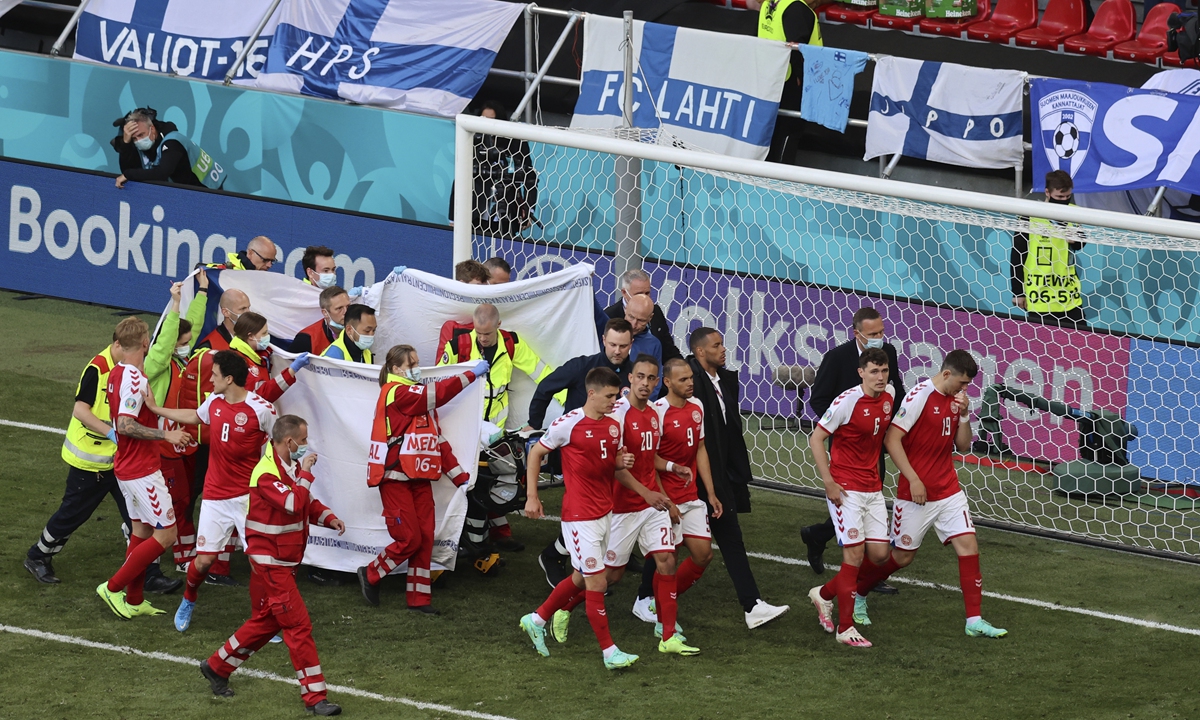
(1066,119)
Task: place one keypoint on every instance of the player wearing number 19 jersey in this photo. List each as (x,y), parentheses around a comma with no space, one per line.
(934,421)
(857,421)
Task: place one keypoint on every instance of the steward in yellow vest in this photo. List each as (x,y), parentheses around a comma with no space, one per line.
(789,21)
(1045,282)
(355,341)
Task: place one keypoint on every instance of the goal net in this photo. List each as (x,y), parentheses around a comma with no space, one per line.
(1090,432)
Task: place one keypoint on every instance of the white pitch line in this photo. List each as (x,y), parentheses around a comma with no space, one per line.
(31,426)
(259,674)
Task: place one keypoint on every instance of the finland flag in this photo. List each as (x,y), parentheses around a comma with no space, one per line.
(185,37)
(427,57)
(946,113)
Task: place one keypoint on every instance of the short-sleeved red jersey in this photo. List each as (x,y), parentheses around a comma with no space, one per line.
(589,462)
(929,420)
(858,424)
(135,458)
(640,431)
(238,433)
(682,432)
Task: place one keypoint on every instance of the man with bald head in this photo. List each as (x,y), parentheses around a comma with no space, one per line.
(639,311)
(233,304)
(636,282)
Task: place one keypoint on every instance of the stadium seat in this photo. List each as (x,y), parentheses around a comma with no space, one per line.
(1062,19)
(855,15)
(1115,22)
(1009,18)
(891,22)
(956,27)
(1151,42)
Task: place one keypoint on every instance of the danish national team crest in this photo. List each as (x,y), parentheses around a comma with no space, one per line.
(240,418)
(852,533)
(1066,119)
(610,556)
(612,430)
(887,407)
(591,563)
(696,416)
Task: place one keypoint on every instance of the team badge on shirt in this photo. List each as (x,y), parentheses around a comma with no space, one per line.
(130,402)
(240,418)
(695,416)
(612,430)
(887,406)
(254,371)
(654,423)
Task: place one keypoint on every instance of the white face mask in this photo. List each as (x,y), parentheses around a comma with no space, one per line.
(364,342)
(182,352)
(413,374)
(325,280)
(144,144)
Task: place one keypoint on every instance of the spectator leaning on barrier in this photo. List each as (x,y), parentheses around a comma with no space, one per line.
(150,150)
(499,271)
(792,21)
(321,334)
(1045,283)
(472,272)
(635,282)
(320,268)
(260,254)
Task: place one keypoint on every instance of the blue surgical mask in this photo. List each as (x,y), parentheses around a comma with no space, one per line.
(325,280)
(144,143)
(364,342)
(265,342)
(874,343)
(182,352)
(413,374)
(335,325)
(300,451)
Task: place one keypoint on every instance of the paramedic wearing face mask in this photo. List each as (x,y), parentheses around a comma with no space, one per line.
(320,335)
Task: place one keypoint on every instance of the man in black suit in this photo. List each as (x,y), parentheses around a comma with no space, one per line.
(717,389)
(838,373)
(637,282)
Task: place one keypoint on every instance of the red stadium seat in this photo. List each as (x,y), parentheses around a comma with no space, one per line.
(891,22)
(956,27)
(1009,18)
(1151,42)
(1062,19)
(855,15)
(1115,22)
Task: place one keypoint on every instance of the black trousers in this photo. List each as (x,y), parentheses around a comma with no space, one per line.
(727,533)
(84,493)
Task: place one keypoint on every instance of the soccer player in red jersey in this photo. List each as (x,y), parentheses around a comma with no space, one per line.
(138,468)
(685,458)
(934,420)
(239,423)
(592,454)
(857,421)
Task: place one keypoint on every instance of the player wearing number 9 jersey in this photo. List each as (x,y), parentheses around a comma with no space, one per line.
(934,421)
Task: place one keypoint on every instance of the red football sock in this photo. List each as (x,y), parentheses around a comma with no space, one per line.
(971,582)
(846,580)
(135,592)
(135,564)
(598,618)
(665,602)
(870,574)
(134,541)
(574,601)
(687,575)
(559,597)
(195,579)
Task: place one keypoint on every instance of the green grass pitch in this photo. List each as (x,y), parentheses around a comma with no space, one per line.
(1054,664)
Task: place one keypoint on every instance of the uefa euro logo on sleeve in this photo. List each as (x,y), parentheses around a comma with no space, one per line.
(1066,119)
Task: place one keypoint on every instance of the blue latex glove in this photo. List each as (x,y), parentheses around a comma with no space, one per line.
(481,368)
(301,360)
(112,435)
(355,291)
(399,269)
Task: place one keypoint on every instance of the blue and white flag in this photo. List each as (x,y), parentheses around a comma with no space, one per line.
(946,113)
(715,90)
(184,37)
(426,57)
(1111,137)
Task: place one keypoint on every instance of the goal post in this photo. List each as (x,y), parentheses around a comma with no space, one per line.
(778,258)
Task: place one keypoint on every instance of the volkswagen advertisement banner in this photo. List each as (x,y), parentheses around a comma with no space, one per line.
(75,235)
(1112,137)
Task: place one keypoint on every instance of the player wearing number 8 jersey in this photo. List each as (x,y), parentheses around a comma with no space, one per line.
(857,420)
(934,421)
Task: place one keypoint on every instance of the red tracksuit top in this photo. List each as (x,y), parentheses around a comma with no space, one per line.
(281,508)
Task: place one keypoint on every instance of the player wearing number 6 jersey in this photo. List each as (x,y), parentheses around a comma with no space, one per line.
(857,420)
(934,420)
(408,452)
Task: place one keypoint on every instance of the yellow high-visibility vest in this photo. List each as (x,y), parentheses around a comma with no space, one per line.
(83,448)
(770,24)
(1051,282)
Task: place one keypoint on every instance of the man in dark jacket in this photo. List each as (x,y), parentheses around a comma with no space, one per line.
(837,374)
(139,140)
(718,390)
(637,282)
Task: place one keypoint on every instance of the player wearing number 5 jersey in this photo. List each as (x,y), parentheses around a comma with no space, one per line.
(858,421)
(407,453)
(934,421)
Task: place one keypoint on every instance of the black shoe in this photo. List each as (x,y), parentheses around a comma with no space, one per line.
(816,551)
(508,544)
(884,589)
(161,584)
(426,609)
(370,592)
(325,578)
(225,580)
(42,570)
(324,708)
(554,565)
(219,685)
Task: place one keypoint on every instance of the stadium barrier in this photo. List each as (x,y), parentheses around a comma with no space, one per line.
(75,235)
(778,258)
